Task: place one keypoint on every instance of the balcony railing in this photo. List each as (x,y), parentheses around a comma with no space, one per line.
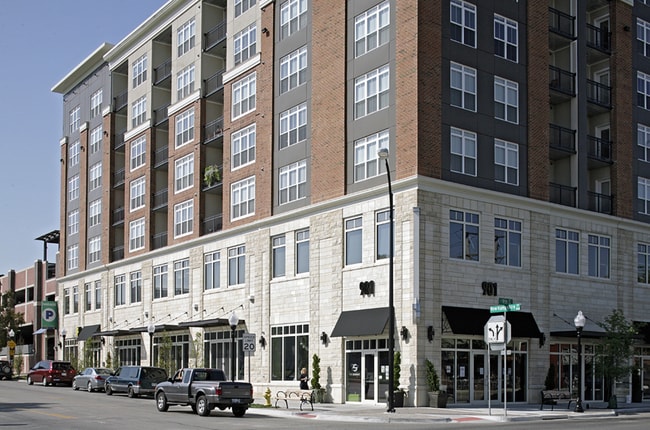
(161,157)
(160,115)
(562,80)
(118,253)
(212,223)
(562,194)
(159,240)
(160,199)
(118,177)
(562,138)
(118,215)
(598,38)
(599,149)
(215,35)
(214,83)
(213,130)
(598,93)
(561,23)
(120,101)
(162,72)
(600,202)
(119,139)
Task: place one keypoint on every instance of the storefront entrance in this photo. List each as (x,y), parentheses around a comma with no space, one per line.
(366,363)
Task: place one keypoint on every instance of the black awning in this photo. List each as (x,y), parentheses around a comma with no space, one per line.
(471,321)
(88,331)
(585,333)
(112,333)
(213,322)
(364,322)
(159,328)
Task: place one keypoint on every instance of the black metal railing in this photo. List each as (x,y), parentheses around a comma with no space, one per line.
(562,138)
(214,83)
(562,194)
(118,215)
(213,130)
(161,157)
(162,72)
(599,149)
(598,38)
(598,93)
(160,114)
(212,223)
(120,101)
(118,139)
(118,253)
(561,23)
(159,199)
(215,35)
(562,80)
(159,240)
(601,203)
(118,177)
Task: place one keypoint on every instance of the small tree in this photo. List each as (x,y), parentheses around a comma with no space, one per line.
(9,318)
(109,360)
(315,372)
(197,351)
(165,355)
(397,369)
(549,382)
(433,382)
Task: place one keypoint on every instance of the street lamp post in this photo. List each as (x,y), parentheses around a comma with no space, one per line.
(151,330)
(12,345)
(233,320)
(64,332)
(579,322)
(383,154)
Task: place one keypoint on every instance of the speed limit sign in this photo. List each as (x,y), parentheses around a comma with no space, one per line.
(248,342)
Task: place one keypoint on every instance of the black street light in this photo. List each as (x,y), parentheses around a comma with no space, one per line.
(233,320)
(579,321)
(383,154)
(64,332)
(151,330)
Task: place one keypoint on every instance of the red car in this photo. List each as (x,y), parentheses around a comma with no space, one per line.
(50,372)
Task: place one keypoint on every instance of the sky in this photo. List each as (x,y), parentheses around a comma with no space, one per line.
(41,41)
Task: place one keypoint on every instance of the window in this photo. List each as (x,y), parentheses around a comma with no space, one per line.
(138,187)
(94,249)
(643,263)
(293,182)
(138,152)
(184,173)
(279,256)
(353,241)
(95,213)
(366,160)
(242,6)
(293,70)
(73,222)
(243,146)
(382,225)
(242,197)
(643,37)
(293,17)
(73,256)
(75,119)
(463,152)
(186,36)
(463,235)
(139,111)
(88,296)
(463,87)
(95,176)
(567,251)
(599,251)
(507,242)
(182,277)
(139,70)
(371,92)
(245,44)
(136,234)
(293,126)
(96,139)
(160,281)
(75,299)
(120,290)
(96,103)
(183,218)
(289,351)
(73,188)
(302,251)
(185,82)
(643,140)
(211,271)
(506,162)
(372,29)
(98,295)
(73,154)
(66,301)
(463,23)
(643,90)
(243,96)
(237,265)
(505,38)
(506,100)
(184,128)
(136,287)
(644,195)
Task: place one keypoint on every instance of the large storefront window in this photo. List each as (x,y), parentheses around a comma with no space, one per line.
(564,358)
(642,362)
(171,352)
(127,352)
(289,351)
(217,351)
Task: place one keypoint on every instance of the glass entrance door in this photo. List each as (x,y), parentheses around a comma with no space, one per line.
(479,383)
(367,374)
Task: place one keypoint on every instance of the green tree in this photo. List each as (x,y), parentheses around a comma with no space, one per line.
(165,355)
(9,318)
(197,350)
(315,372)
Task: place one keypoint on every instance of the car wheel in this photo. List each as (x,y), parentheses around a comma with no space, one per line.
(6,370)
(109,390)
(131,393)
(44,381)
(74,385)
(238,411)
(202,407)
(30,381)
(89,387)
(161,402)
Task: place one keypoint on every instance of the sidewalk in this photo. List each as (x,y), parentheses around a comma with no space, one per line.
(371,413)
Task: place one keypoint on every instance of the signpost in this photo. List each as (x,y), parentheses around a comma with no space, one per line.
(248,345)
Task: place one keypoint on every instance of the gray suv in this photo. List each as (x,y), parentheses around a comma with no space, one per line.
(135,380)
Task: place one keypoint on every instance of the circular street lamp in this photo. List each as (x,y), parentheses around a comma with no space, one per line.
(579,322)
(151,330)
(11,333)
(64,332)
(383,154)
(233,321)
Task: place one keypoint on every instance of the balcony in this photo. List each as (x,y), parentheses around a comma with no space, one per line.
(159,240)
(120,101)
(118,216)
(562,194)
(159,200)
(599,151)
(118,140)
(562,83)
(160,115)
(561,28)
(161,157)
(599,97)
(215,38)
(562,141)
(213,130)
(212,223)
(599,40)
(118,178)
(162,74)
(117,253)
(600,203)
(213,86)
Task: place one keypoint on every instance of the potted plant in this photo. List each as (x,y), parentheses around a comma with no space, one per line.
(211,175)
(437,398)
(319,393)
(398,394)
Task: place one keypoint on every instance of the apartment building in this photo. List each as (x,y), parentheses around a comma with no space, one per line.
(222,159)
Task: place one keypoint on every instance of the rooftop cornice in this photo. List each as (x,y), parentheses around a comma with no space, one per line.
(81,72)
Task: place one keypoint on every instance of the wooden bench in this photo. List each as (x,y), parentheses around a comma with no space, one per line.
(305,397)
(551,397)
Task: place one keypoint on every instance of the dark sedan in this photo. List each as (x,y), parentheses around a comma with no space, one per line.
(91,379)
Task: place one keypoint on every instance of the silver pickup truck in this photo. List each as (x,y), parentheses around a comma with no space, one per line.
(204,390)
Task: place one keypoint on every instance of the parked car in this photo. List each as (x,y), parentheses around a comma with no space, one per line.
(5,370)
(91,379)
(50,372)
(135,380)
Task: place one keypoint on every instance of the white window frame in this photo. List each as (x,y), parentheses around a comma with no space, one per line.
(136,234)
(292,182)
(278,256)
(506,98)
(75,119)
(366,161)
(120,290)
(184,173)
(137,192)
(506,160)
(182,277)
(293,70)
(461,14)
(160,281)
(236,265)
(139,111)
(599,256)
(245,44)
(506,34)
(139,71)
(293,126)
(643,140)
(242,6)
(184,128)
(372,92)
(138,152)
(462,82)
(95,212)
(463,151)
(643,37)
(507,233)
(212,271)
(185,82)
(242,198)
(302,251)
(372,29)
(244,96)
(95,176)
(73,188)
(73,222)
(468,241)
(96,100)
(73,153)
(293,17)
(135,287)
(643,194)
(94,249)
(73,256)
(184,218)
(186,37)
(96,136)
(569,240)
(243,146)
(353,240)
(98,294)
